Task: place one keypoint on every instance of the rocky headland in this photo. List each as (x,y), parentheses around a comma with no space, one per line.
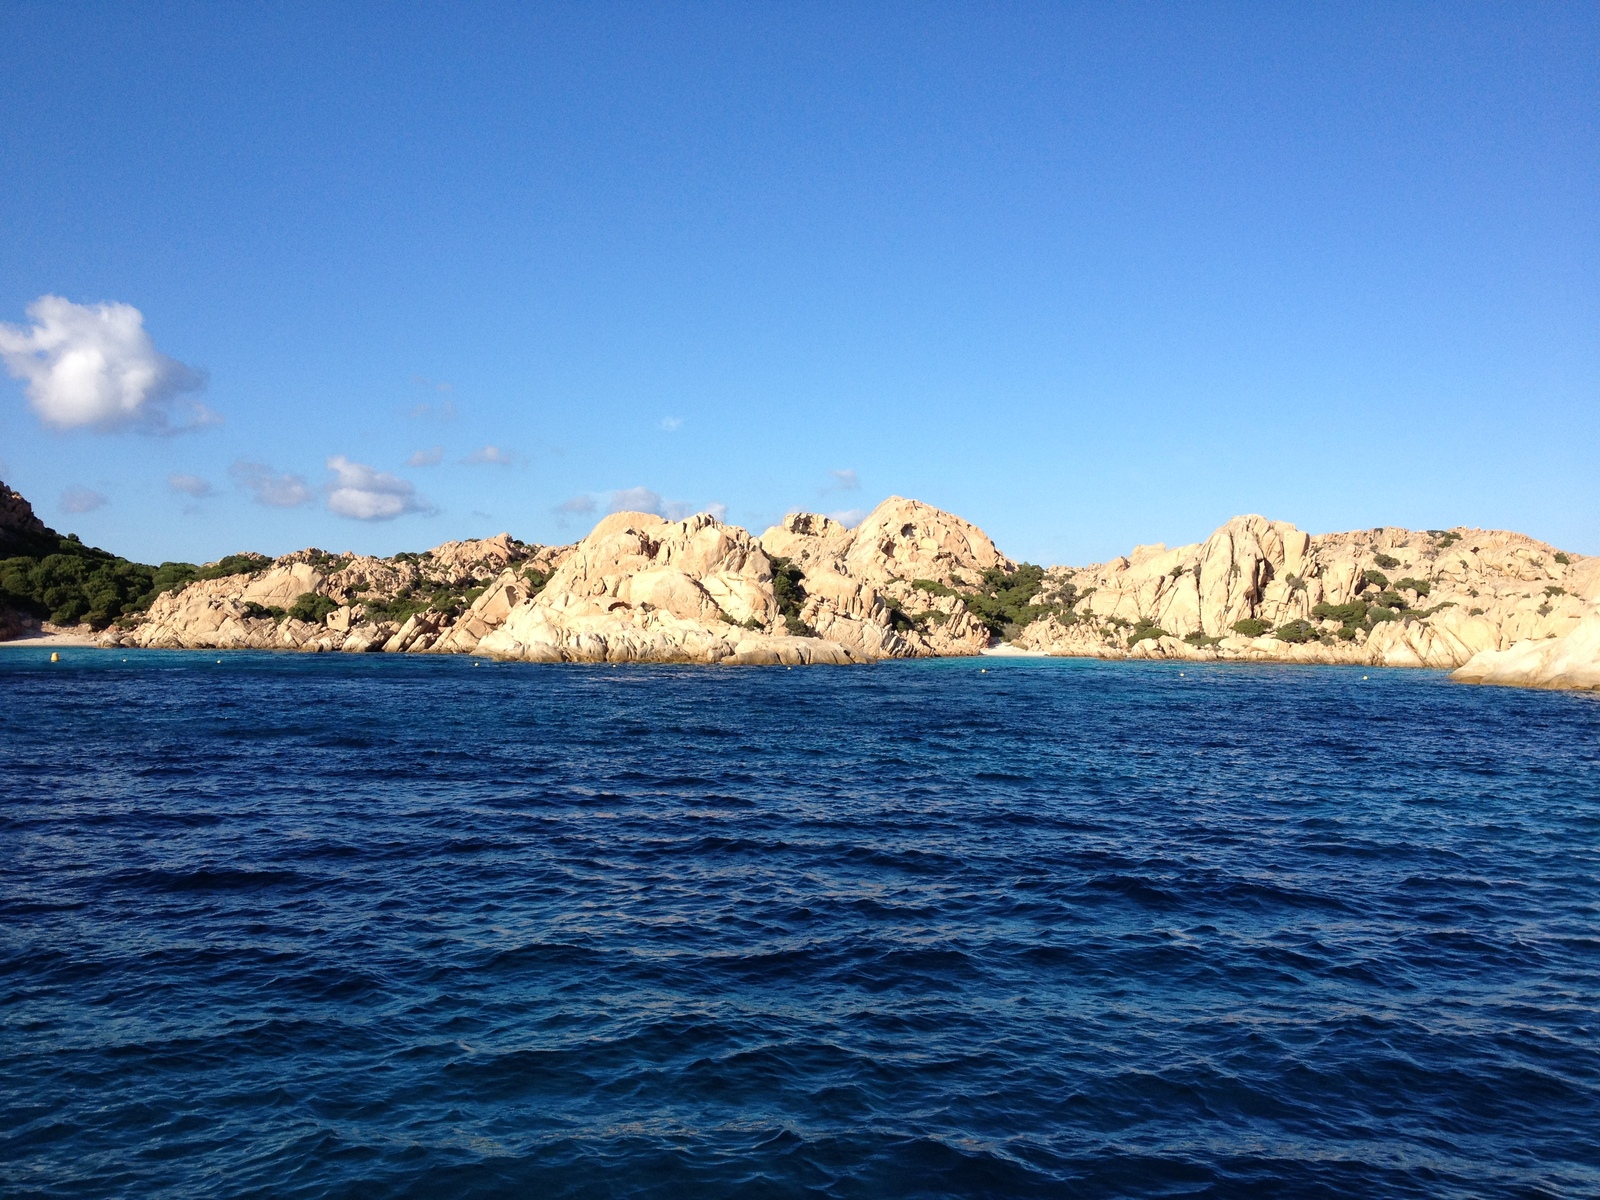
(909,581)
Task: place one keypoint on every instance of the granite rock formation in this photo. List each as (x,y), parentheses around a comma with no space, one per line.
(909,581)
(1264,590)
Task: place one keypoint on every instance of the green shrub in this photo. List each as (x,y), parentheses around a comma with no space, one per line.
(233,564)
(258,611)
(1376,578)
(1006,598)
(535,579)
(1444,538)
(933,587)
(1250,627)
(1297,631)
(1346,633)
(1145,630)
(1352,613)
(1553,590)
(312,607)
(1379,613)
(1420,586)
(1474,612)
(899,620)
(1544,609)
(790,594)
(1387,561)
(1563,559)
(1198,638)
(1391,600)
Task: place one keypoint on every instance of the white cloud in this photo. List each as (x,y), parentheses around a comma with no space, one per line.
(672,424)
(636,499)
(269,487)
(363,493)
(81,500)
(431,457)
(844,481)
(579,504)
(444,410)
(492,456)
(718,510)
(643,499)
(189,485)
(850,517)
(93,366)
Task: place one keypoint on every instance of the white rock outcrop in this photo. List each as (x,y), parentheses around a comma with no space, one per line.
(642,589)
(1569,661)
(914,581)
(1263,590)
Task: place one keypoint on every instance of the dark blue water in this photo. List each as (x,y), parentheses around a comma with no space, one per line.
(304,926)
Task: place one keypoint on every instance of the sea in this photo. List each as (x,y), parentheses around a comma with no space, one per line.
(278,925)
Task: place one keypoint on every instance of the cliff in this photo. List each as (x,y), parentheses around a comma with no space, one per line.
(909,581)
(21,532)
(1264,590)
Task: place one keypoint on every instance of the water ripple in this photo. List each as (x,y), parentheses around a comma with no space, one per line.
(339,926)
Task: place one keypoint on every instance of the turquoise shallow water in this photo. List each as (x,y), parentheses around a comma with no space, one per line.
(339,926)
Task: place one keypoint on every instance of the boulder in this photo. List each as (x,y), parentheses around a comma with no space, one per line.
(1569,661)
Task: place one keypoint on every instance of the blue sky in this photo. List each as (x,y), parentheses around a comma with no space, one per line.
(1088,275)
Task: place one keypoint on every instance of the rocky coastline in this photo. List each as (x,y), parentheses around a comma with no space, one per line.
(909,581)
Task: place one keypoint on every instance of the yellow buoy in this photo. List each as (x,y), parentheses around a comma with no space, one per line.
(54,657)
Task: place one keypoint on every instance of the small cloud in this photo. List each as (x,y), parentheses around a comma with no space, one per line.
(190,485)
(269,487)
(718,510)
(843,481)
(672,424)
(636,499)
(850,517)
(424,410)
(81,500)
(643,499)
(93,366)
(431,457)
(363,493)
(491,456)
(578,505)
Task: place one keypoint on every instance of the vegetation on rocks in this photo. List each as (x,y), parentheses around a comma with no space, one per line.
(69,583)
(1297,632)
(312,607)
(1249,627)
(1005,600)
(450,600)
(1146,630)
(790,594)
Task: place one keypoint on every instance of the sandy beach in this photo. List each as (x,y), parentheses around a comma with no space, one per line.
(34,639)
